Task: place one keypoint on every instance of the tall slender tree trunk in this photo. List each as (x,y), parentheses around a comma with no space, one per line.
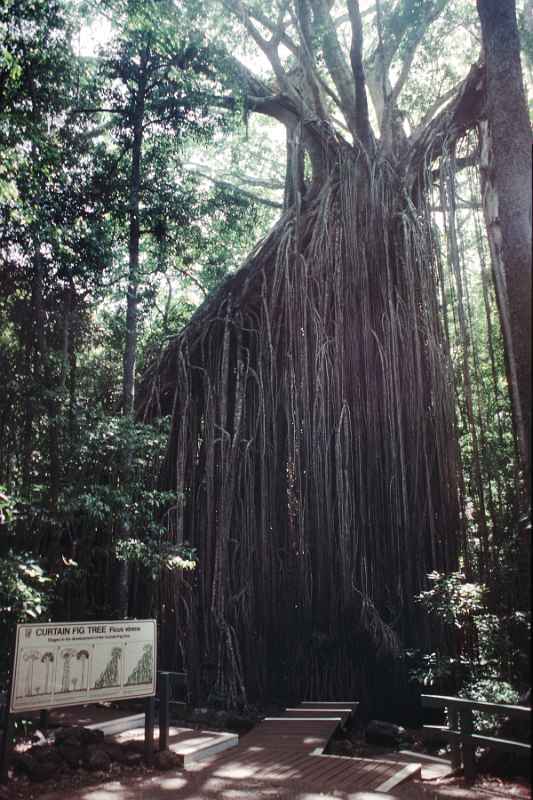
(44,378)
(132,315)
(506,183)
(132,301)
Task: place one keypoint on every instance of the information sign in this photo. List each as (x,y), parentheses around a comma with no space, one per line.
(69,663)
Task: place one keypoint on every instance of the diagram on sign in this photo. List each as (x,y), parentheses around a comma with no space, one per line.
(143,670)
(37,669)
(72,670)
(110,675)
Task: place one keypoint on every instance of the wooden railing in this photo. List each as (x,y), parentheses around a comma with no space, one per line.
(460,729)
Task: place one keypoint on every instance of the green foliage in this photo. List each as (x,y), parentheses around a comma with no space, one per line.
(436,671)
(487,664)
(490,689)
(452,598)
(66,130)
(156,555)
(7,507)
(95,501)
(25,588)
(24,584)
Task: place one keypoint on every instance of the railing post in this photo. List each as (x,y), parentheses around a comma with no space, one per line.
(453,725)
(467,728)
(164,696)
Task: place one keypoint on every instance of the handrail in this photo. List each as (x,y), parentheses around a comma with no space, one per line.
(460,729)
(438,700)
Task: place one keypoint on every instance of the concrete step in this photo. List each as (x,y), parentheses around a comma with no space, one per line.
(190,745)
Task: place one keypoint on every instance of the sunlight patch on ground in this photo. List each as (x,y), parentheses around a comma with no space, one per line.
(236,771)
(173,783)
(355,796)
(244,794)
(105,793)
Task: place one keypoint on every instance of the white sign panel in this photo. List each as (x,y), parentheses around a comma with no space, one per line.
(69,663)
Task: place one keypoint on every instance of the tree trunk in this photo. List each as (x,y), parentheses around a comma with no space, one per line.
(132,301)
(43,377)
(506,183)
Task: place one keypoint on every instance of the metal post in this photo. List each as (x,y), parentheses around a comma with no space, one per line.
(469,761)
(6,746)
(164,697)
(453,721)
(149,729)
(44,721)
(8,724)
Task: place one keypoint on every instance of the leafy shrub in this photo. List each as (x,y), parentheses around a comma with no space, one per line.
(453,599)
(24,586)
(156,555)
(484,665)
(489,690)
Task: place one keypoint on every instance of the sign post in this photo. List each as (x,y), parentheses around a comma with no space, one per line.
(149,716)
(7,730)
(6,745)
(164,698)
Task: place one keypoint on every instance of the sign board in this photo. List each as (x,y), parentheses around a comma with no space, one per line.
(70,663)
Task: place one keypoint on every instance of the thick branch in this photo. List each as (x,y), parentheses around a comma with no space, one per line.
(405,68)
(268,47)
(275,29)
(356,57)
(245,179)
(462,114)
(432,110)
(344,18)
(408,25)
(406,20)
(307,59)
(336,64)
(238,189)
(259,97)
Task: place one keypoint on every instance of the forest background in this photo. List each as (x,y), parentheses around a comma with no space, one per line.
(133,179)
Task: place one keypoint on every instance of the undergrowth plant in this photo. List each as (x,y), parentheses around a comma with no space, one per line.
(486,663)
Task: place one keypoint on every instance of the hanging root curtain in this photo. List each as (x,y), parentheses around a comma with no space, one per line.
(312,448)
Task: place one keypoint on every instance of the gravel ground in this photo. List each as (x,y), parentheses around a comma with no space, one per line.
(484,788)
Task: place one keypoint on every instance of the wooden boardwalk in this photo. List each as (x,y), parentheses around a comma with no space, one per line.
(280,759)
(288,751)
